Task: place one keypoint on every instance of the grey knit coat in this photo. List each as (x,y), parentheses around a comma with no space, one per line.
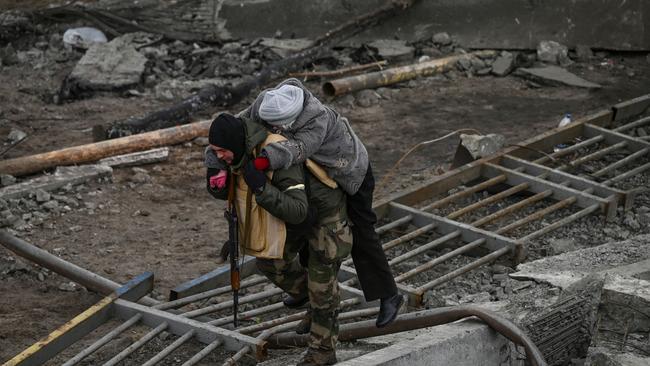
(321,134)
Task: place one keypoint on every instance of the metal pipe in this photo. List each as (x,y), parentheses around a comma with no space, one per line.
(397,74)
(139,343)
(455,273)
(103,340)
(391,225)
(169,349)
(428,265)
(423,248)
(465,192)
(570,149)
(621,162)
(512,208)
(537,215)
(75,273)
(402,239)
(494,198)
(593,156)
(627,174)
(248,314)
(629,126)
(226,304)
(207,294)
(567,220)
(423,319)
(204,352)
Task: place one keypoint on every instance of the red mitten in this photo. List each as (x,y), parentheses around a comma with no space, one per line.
(262,163)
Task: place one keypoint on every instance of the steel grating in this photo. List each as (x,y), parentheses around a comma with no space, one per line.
(465,219)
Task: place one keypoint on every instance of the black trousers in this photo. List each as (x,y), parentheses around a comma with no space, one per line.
(370,262)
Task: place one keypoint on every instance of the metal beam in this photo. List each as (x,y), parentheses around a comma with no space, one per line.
(469,233)
(82,324)
(560,192)
(613,137)
(212,280)
(559,177)
(631,108)
(179,325)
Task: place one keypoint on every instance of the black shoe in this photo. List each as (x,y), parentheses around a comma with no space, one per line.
(304,326)
(223,253)
(388,309)
(294,303)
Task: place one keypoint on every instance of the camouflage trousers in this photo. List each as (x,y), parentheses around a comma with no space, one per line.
(328,246)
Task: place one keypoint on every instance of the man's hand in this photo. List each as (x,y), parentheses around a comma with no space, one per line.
(262,163)
(254,178)
(219,180)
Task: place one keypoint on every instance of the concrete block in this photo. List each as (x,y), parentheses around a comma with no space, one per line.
(137,158)
(469,343)
(61,177)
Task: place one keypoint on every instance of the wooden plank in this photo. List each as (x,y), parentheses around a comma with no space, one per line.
(631,108)
(61,177)
(82,324)
(179,325)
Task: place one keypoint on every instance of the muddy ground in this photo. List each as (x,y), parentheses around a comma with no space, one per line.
(168,224)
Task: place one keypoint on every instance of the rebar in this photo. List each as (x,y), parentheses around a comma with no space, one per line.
(169,349)
(537,215)
(139,343)
(202,353)
(103,340)
(484,202)
(570,149)
(466,192)
(621,162)
(423,248)
(628,174)
(207,294)
(227,304)
(248,314)
(512,208)
(428,265)
(567,220)
(475,264)
(593,156)
(629,126)
(394,224)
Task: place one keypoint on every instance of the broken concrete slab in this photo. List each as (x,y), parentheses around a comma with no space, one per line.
(555,75)
(62,176)
(480,146)
(620,300)
(393,50)
(553,53)
(286,47)
(622,258)
(137,158)
(603,357)
(504,64)
(467,342)
(109,66)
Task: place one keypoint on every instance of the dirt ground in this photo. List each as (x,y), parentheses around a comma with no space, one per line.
(171,226)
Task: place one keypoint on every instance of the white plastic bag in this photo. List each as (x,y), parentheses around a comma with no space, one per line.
(83,37)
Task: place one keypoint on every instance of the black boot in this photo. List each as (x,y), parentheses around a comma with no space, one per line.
(388,309)
(294,303)
(223,253)
(304,326)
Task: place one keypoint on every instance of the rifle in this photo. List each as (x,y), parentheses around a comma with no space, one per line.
(233,244)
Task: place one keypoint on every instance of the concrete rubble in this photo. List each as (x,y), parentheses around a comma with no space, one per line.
(555,75)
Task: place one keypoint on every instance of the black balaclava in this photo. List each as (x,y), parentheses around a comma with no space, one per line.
(227,131)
